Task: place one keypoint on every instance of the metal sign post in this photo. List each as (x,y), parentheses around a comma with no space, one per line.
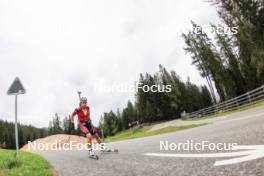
(16,130)
(16,89)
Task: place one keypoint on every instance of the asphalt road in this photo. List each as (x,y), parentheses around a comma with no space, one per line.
(244,128)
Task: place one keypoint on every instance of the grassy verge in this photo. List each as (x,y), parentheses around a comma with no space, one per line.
(228,112)
(144,132)
(27,164)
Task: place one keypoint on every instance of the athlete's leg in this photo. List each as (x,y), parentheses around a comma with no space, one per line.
(84,129)
(89,139)
(93,132)
(97,138)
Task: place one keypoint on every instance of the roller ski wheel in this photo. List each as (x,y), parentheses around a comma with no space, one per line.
(94,157)
(110,151)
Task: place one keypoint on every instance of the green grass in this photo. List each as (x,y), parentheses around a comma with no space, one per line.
(227,112)
(27,164)
(144,132)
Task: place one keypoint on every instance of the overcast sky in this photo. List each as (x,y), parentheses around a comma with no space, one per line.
(58,47)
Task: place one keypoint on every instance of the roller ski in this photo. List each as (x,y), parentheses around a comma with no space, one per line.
(92,155)
(108,150)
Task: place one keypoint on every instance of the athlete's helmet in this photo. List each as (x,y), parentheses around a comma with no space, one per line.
(83,100)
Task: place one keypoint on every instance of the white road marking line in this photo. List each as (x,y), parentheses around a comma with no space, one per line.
(253,152)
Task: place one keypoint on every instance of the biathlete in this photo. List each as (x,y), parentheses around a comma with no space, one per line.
(85,124)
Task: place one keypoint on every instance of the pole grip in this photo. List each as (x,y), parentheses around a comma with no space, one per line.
(79,94)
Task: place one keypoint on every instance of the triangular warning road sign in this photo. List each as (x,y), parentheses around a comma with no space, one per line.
(16,88)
